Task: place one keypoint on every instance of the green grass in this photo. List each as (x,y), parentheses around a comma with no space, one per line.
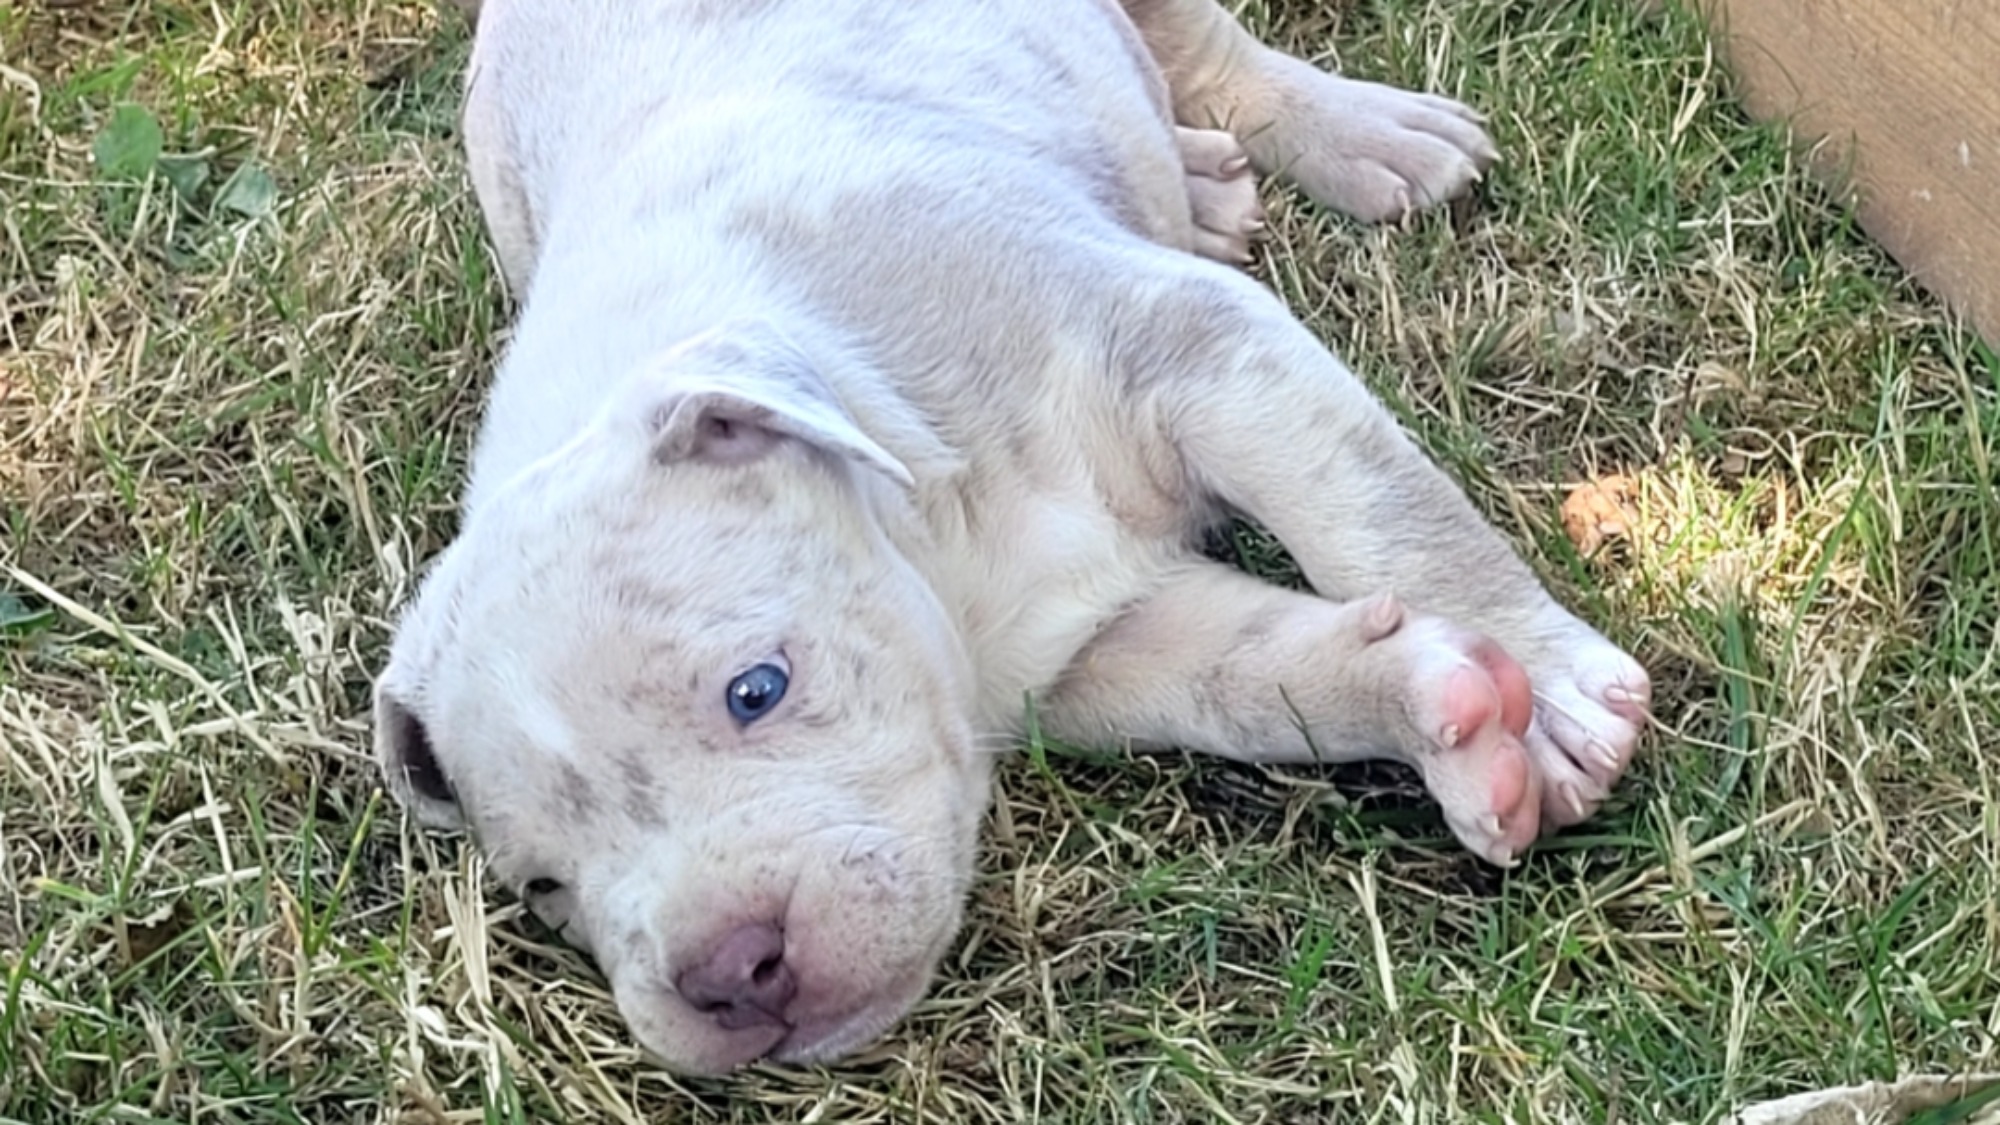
(232,424)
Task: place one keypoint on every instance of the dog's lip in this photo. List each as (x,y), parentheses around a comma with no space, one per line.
(809,1044)
(745,1047)
(823,1037)
(820,1038)
(811,1039)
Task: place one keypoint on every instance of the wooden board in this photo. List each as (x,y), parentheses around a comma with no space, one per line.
(1907,95)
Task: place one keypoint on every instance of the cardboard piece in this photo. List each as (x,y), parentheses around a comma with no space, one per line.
(1906,96)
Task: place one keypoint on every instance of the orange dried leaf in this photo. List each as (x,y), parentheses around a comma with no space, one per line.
(1597,511)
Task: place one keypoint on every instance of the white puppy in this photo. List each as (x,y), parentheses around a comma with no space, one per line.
(865,393)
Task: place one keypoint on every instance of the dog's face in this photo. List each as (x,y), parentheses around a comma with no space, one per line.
(700,714)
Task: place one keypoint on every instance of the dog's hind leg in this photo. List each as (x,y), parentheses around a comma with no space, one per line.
(1267,422)
(1373,151)
(1217,662)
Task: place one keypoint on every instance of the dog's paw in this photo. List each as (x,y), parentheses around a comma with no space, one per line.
(1514,739)
(1466,705)
(1372,151)
(1591,703)
(1222,194)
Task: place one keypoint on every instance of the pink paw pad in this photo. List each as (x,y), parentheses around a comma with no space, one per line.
(1482,775)
(1473,704)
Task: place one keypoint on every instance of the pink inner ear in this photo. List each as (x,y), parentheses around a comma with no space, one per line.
(731,440)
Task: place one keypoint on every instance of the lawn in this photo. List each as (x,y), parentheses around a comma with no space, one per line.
(247,322)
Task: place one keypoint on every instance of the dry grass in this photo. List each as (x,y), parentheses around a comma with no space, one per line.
(230,431)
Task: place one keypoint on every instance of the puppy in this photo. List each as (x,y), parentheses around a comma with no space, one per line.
(874,383)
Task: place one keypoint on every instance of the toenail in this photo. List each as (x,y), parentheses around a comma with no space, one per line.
(1234,165)
(1451,733)
(1575,801)
(1490,825)
(1616,694)
(1605,754)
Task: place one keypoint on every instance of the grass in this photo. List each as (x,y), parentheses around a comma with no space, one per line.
(236,391)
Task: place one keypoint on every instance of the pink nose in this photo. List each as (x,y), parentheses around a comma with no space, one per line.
(745,981)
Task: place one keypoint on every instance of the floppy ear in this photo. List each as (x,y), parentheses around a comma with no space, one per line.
(403,745)
(732,395)
(410,765)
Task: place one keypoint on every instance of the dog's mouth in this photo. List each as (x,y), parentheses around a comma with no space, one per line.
(824,1040)
(689,1040)
(826,1036)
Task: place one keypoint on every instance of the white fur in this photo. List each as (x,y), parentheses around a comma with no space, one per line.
(864,340)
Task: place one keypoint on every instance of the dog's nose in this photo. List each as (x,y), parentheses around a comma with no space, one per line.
(745,981)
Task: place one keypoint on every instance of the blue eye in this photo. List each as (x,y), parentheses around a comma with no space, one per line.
(754,693)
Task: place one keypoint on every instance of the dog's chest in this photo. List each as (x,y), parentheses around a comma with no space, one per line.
(1032,579)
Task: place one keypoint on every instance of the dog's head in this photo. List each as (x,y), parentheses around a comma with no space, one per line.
(701,714)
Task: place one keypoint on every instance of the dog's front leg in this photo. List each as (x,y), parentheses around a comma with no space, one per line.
(1217,662)
(1268,422)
